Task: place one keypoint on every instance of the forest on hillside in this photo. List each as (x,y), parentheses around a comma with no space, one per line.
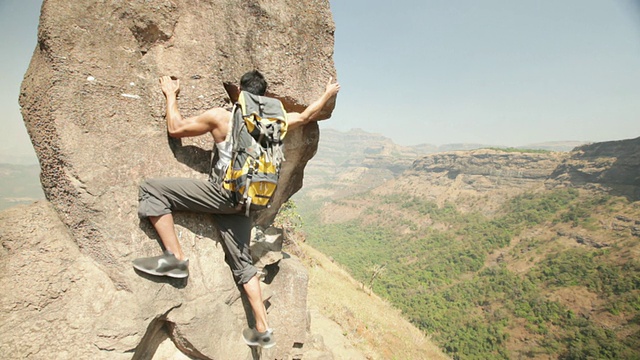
(552,274)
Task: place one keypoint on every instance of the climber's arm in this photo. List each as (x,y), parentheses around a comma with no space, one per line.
(309,114)
(178,127)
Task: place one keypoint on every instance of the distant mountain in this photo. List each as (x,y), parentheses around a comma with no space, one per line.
(344,158)
(357,161)
(554,145)
(500,253)
(19,184)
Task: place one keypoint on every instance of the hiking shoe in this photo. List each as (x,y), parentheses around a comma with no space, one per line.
(164,265)
(254,338)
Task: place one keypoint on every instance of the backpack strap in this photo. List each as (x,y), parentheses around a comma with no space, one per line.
(213,177)
(215,154)
(247,206)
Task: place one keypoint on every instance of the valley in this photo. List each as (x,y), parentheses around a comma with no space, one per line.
(497,253)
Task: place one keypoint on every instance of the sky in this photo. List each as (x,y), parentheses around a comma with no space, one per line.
(494,72)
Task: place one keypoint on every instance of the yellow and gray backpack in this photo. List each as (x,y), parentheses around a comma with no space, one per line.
(257,130)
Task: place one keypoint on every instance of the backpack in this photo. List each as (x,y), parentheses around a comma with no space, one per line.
(258,127)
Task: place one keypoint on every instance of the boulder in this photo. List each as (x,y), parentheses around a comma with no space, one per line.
(94,111)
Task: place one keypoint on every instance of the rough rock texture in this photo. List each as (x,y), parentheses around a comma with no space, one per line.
(467,177)
(491,176)
(95,113)
(613,166)
(357,161)
(515,167)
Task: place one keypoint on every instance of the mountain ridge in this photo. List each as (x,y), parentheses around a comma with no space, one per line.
(502,253)
(552,145)
(369,160)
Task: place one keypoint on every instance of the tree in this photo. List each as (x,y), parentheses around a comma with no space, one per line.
(376,271)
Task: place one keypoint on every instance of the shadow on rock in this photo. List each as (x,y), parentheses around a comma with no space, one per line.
(194,157)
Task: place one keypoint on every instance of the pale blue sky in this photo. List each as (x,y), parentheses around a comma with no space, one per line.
(497,72)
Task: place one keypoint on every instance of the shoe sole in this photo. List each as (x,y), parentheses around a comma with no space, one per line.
(256,343)
(266,346)
(155,273)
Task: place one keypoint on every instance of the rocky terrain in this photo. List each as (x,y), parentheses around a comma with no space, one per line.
(93,109)
(502,253)
(609,166)
(465,178)
(95,114)
(482,176)
(357,161)
(476,180)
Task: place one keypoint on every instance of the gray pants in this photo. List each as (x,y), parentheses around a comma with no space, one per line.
(163,196)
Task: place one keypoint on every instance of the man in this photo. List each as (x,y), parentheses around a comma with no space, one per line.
(160,197)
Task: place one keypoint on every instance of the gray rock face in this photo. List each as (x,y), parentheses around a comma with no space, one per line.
(508,166)
(95,113)
(469,177)
(492,176)
(613,166)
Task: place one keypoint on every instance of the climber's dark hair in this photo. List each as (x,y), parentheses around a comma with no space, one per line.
(253,82)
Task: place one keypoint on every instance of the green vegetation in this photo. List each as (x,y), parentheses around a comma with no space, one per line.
(444,281)
(288,217)
(577,267)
